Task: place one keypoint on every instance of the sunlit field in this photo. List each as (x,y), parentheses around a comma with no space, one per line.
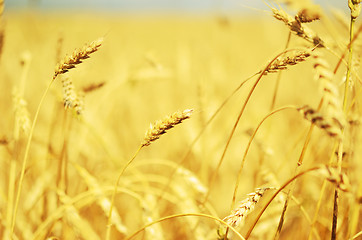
(180,127)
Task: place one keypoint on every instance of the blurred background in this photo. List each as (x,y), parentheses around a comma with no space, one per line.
(188,6)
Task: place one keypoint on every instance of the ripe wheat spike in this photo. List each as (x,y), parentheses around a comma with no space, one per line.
(297,27)
(283,62)
(246,206)
(161,126)
(77,56)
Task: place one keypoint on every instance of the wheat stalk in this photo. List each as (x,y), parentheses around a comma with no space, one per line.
(153,133)
(62,67)
(161,126)
(77,56)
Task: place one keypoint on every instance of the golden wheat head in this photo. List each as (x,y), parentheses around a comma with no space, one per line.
(246,206)
(296,26)
(161,126)
(355,6)
(283,62)
(78,55)
(307,15)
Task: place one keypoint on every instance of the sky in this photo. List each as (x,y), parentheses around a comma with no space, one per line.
(251,6)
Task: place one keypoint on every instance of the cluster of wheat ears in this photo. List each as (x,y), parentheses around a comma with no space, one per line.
(44,211)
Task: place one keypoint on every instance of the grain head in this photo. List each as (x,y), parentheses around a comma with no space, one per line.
(77,57)
(161,126)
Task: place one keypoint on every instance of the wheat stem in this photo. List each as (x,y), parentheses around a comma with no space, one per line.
(278,78)
(349,63)
(186,215)
(187,154)
(109,223)
(248,147)
(271,64)
(26,154)
(245,154)
(68,63)
(275,194)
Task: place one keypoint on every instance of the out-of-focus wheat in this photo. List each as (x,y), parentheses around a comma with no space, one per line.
(333,175)
(331,97)
(332,127)
(22,115)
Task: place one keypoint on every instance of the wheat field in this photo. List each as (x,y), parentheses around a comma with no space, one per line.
(181,126)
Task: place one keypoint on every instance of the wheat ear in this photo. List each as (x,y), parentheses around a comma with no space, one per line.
(78,55)
(246,206)
(22,115)
(355,7)
(161,126)
(297,27)
(333,175)
(71,99)
(333,128)
(93,87)
(330,90)
(282,63)
(306,16)
(69,95)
